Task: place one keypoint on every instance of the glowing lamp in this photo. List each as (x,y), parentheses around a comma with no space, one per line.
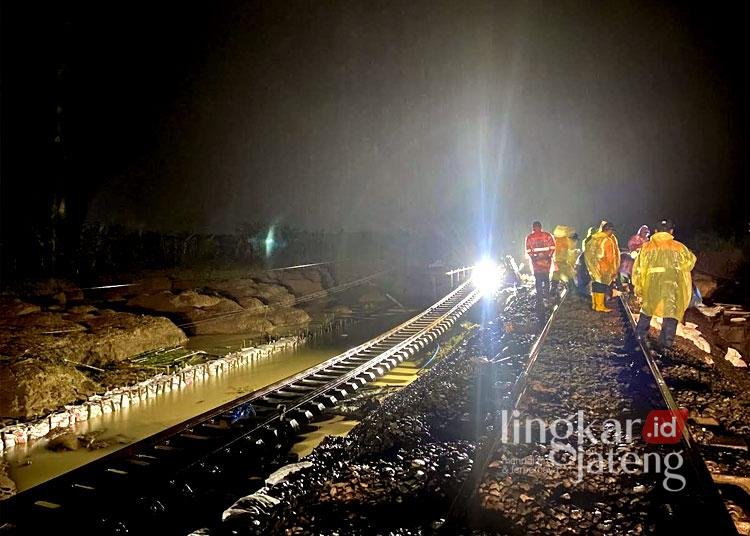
(486,277)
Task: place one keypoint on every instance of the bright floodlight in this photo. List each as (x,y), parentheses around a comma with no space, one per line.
(486,277)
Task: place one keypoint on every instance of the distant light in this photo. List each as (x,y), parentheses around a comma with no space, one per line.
(486,277)
(270,242)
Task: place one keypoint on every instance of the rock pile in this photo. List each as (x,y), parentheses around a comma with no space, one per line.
(718,401)
(7,486)
(42,345)
(257,306)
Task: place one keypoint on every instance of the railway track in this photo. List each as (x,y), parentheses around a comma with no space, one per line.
(697,508)
(166,483)
(643,351)
(719,521)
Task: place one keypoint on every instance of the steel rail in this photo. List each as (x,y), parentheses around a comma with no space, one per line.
(402,347)
(724,523)
(484,453)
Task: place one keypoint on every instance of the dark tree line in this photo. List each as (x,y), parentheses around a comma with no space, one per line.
(99,249)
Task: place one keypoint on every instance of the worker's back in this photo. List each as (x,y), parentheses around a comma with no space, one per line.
(661,275)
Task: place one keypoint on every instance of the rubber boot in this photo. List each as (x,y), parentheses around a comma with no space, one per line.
(593,301)
(599,302)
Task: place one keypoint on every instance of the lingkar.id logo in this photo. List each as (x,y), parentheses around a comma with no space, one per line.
(661,427)
(664,426)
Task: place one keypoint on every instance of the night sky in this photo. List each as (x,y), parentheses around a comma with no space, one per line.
(376,115)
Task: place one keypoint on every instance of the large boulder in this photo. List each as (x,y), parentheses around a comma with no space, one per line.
(706,284)
(223,306)
(191,298)
(187,302)
(301,283)
(10,307)
(159,302)
(252,303)
(233,288)
(272,294)
(34,387)
(118,336)
(96,339)
(245,322)
(226,317)
(244,291)
(288,320)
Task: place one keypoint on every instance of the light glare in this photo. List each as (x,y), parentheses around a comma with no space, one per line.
(486,277)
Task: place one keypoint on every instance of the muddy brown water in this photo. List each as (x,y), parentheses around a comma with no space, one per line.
(30,465)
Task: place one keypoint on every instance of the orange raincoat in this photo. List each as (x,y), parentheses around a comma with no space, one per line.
(602,257)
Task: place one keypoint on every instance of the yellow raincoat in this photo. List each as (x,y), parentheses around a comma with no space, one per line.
(661,276)
(589,234)
(602,256)
(565,254)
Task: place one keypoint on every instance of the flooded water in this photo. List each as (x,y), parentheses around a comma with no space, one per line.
(32,465)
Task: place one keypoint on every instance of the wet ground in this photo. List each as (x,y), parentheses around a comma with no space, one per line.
(30,465)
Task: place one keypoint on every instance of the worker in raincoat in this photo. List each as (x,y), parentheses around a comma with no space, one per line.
(641,237)
(602,257)
(565,257)
(583,279)
(634,244)
(661,277)
(540,247)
